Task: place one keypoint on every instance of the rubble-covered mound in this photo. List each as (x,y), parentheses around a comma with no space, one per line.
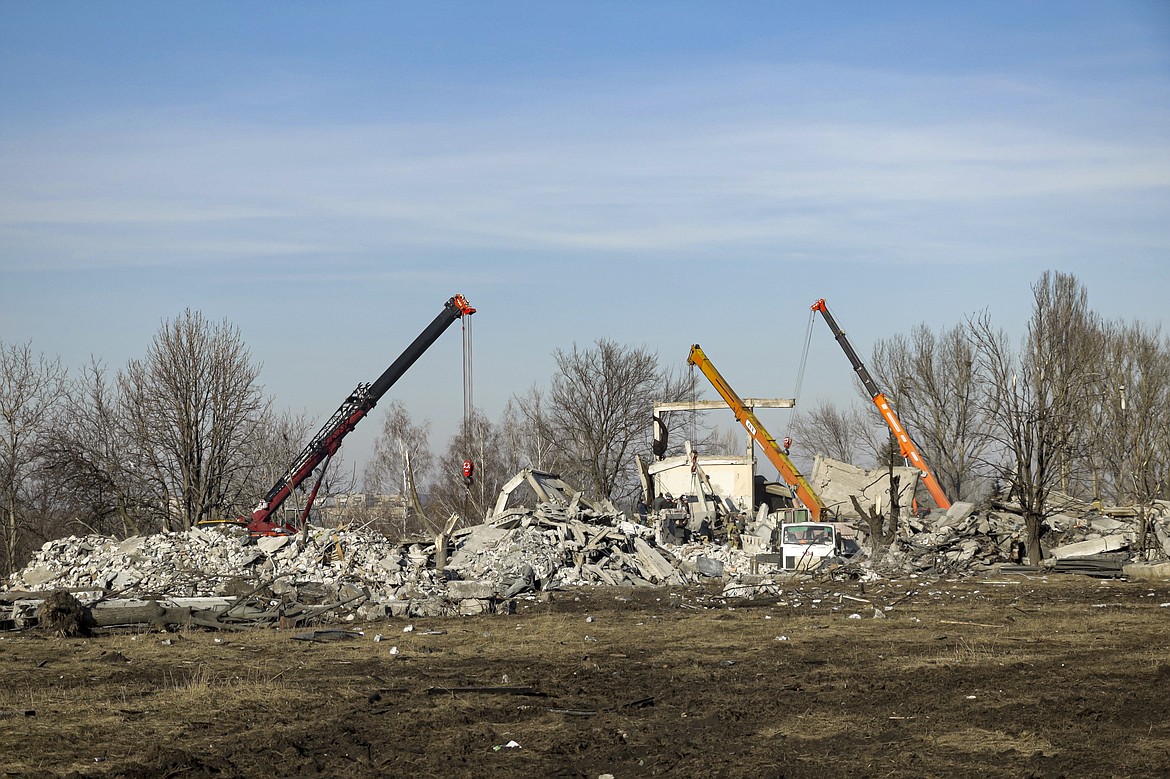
(525,551)
(1080,538)
(334,571)
(204,562)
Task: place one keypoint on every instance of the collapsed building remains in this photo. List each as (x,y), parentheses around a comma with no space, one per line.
(560,540)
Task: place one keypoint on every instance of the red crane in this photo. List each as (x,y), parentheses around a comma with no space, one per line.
(328,439)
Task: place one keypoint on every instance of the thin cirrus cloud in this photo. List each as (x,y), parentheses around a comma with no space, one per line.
(683,165)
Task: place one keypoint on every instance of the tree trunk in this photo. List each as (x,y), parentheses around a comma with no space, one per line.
(1034,529)
(63,614)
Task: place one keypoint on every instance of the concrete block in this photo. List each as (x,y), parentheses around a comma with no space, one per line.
(1107,524)
(1091,547)
(270,544)
(1156,572)
(373,612)
(469,607)
(958,511)
(131,544)
(708,567)
(39,576)
(474,588)
(398,608)
(431,607)
(480,538)
(126,579)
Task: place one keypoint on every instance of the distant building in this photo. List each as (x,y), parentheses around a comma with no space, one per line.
(353,507)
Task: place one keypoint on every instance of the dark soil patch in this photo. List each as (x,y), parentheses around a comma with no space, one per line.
(1018,677)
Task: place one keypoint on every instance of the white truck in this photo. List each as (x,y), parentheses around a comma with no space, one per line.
(804,544)
(790,540)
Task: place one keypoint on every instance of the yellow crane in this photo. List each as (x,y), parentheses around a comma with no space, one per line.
(751,423)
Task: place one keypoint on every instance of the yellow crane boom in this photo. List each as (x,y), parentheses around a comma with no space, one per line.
(756,430)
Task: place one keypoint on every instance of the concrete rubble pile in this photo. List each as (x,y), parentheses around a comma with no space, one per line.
(326,566)
(1080,538)
(521,551)
(334,574)
(560,551)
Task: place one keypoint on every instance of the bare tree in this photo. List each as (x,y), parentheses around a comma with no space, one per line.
(265,456)
(403,466)
(598,414)
(883,527)
(193,411)
(1035,401)
(31,387)
(1129,428)
(933,384)
(479,441)
(830,431)
(526,433)
(105,493)
(401,443)
(725,439)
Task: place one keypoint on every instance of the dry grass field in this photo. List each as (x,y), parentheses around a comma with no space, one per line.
(1063,676)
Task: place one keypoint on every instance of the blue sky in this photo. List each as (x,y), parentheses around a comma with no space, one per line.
(326,175)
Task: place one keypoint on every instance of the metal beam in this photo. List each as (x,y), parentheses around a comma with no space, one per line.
(709,405)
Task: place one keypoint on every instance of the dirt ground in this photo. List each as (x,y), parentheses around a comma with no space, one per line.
(1013,676)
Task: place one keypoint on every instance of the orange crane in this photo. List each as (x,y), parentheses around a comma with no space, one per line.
(905,443)
(748,419)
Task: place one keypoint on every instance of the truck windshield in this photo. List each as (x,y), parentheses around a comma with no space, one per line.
(799,534)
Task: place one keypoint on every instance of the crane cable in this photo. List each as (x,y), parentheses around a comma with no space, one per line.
(468,400)
(468,390)
(800,371)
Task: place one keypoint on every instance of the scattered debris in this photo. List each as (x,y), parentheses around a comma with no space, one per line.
(8,714)
(216,578)
(330,635)
(491,690)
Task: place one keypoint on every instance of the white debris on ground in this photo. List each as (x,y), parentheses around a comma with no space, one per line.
(524,551)
(528,551)
(1080,538)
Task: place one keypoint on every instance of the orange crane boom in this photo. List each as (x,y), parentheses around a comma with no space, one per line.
(752,424)
(905,443)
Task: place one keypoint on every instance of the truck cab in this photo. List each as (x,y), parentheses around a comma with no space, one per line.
(804,544)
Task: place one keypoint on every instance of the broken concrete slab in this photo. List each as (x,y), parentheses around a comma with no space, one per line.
(478,589)
(708,567)
(1107,524)
(958,511)
(36,577)
(1091,547)
(1155,572)
(271,544)
(835,482)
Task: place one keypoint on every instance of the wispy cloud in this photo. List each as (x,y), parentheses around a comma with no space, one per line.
(737,159)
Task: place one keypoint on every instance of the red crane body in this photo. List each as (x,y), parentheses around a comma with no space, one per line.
(329,438)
